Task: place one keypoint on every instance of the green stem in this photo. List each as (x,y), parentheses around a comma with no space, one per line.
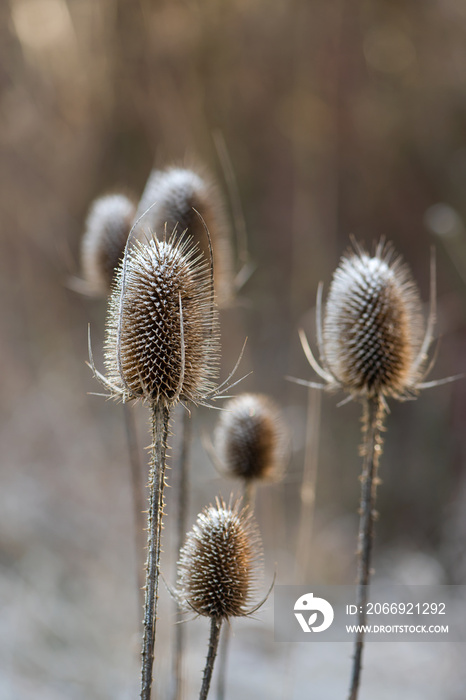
(373,416)
(160,416)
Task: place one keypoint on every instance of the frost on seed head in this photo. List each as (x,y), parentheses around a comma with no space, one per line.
(250,438)
(218,566)
(107,227)
(174,197)
(373,326)
(162,337)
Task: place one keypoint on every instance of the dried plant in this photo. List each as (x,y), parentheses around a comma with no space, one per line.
(250,440)
(183,201)
(162,348)
(373,327)
(250,444)
(106,231)
(162,342)
(218,570)
(102,247)
(373,346)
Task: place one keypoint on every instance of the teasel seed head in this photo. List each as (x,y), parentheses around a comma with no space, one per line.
(174,196)
(162,334)
(107,227)
(250,438)
(373,325)
(219,564)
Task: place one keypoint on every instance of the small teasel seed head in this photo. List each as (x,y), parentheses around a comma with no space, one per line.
(220,562)
(373,325)
(107,227)
(250,438)
(175,195)
(162,334)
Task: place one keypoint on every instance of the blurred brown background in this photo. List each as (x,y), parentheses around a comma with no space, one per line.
(340,118)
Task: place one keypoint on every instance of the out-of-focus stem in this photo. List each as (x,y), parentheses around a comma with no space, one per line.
(308,484)
(183,494)
(137,498)
(249,493)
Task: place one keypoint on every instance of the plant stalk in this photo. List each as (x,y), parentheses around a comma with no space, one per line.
(215,627)
(138,500)
(183,492)
(308,486)
(223,658)
(160,416)
(249,493)
(373,416)
(249,498)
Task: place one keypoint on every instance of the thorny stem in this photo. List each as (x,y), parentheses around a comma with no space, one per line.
(215,627)
(372,447)
(160,416)
(183,491)
(138,501)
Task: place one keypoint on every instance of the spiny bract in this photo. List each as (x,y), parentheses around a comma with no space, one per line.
(162,336)
(218,563)
(107,227)
(173,195)
(373,326)
(250,438)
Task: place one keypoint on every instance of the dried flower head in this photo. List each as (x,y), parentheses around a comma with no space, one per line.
(373,325)
(373,345)
(218,566)
(162,340)
(373,341)
(107,227)
(250,438)
(175,196)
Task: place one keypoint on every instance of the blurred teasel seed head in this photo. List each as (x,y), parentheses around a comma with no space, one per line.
(220,562)
(373,326)
(162,334)
(174,196)
(107,227)
(250,438)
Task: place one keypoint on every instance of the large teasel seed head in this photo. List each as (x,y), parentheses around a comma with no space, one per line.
(250,438)
(172,198)
(220,562)
(373,325)
(162,334)
(106,231)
